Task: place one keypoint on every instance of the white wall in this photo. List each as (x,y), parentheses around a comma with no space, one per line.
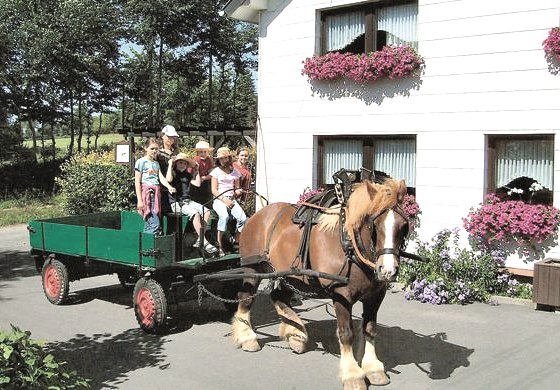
(485,74)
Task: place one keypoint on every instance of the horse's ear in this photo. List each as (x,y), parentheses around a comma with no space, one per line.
(371,189)
(402,191)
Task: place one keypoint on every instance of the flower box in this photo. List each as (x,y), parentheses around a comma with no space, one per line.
(546,282)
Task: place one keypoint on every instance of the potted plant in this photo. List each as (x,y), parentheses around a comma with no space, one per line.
(551,44)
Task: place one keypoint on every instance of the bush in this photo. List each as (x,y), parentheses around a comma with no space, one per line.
(25,365)
(28,178)
(452,274)
(93,183)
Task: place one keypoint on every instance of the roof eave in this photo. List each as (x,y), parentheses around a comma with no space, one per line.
(245,10)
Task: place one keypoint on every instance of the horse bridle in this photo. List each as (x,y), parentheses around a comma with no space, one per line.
(384,251)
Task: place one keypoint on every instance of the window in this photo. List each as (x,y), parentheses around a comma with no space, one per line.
(517,162)
(369,27)
(395,156)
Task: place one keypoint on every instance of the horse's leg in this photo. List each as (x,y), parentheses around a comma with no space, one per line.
(350,373)
(292,329)
(242,331)
(372,366)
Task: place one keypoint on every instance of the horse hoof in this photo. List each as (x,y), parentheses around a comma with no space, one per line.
(378,378)
(297,343)
(355,384)
(251,346)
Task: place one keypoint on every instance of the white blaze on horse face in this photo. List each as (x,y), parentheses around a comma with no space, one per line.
(389,266)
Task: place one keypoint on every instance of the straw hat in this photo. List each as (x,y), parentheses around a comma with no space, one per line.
(203,145)
(184,157)
(223,152)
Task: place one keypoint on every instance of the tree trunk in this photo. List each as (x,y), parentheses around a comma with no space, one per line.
(98,129)
(33,137)
(53,141)
(80,124)
(160,84)
(71,145)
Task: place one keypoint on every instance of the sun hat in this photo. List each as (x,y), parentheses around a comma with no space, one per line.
(169,131)
(203,145)
(184,157)
(223,152)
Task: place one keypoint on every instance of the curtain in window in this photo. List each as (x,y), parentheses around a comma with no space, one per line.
(342,29)
(339,154)
(397,158)
(400,24)
(532,158)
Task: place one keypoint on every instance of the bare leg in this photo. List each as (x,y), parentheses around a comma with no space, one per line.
(220,237)
(197,224)
(350,373)
(242,331)
(372,366)
(292,329)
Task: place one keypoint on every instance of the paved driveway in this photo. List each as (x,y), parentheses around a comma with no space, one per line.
(423,346)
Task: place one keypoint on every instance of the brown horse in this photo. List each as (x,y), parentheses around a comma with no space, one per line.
(377,227)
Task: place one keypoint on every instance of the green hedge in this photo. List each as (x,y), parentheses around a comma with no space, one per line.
(94,183)
(25,365)
(28,177)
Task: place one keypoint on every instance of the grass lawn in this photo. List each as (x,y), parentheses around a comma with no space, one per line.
(62,143)
(16,211)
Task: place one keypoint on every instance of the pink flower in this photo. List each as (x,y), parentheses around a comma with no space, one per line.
(390,62)
(551,44)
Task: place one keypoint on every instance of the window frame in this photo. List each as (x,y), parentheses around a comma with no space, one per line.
(370,8)
(492,155)
(367,152)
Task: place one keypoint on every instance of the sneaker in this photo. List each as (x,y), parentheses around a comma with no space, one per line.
(210,248)
(232,240)
(196,243)
(221,253)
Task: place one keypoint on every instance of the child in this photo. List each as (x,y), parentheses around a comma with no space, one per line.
(147,176)
(205,165)
(225,187)
(181,178)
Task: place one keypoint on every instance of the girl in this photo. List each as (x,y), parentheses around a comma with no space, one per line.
(204,160)
(147,176)
(225,187)
(182,173)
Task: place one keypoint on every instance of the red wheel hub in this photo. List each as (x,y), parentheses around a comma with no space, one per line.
(146,306)
(51,281)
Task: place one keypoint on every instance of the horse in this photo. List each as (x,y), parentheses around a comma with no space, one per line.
(375,227)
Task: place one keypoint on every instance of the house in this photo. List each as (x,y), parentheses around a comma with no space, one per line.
(486,109)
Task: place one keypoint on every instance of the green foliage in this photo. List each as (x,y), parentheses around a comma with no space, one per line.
(452,274)
(29,178)
(94,183)
(25,365)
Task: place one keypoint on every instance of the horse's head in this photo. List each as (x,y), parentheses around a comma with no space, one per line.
(378,205)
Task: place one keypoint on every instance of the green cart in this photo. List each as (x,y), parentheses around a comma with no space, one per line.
(162,268)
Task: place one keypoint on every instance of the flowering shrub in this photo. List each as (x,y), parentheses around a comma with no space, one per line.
(512,221)
(390,62)
(308,193)
(451,274)
(551,44)
(412,211)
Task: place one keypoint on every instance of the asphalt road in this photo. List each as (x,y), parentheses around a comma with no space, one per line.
(477,346)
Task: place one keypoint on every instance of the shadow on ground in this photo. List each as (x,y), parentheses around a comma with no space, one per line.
(107,359)
(395,346)
(15,265)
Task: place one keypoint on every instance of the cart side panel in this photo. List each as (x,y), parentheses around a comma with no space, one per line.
(35,235)
(65,239)
(114,245)
(131,221)
(166,250)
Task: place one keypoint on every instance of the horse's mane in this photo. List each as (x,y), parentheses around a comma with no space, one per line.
(367,198)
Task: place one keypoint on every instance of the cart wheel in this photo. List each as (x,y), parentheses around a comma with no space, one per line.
(55,281)
(150,305)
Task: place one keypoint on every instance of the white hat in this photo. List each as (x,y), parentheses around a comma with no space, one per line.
(169,131)
(203,145)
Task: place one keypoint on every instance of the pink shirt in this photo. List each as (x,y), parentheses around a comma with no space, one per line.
(226,181)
